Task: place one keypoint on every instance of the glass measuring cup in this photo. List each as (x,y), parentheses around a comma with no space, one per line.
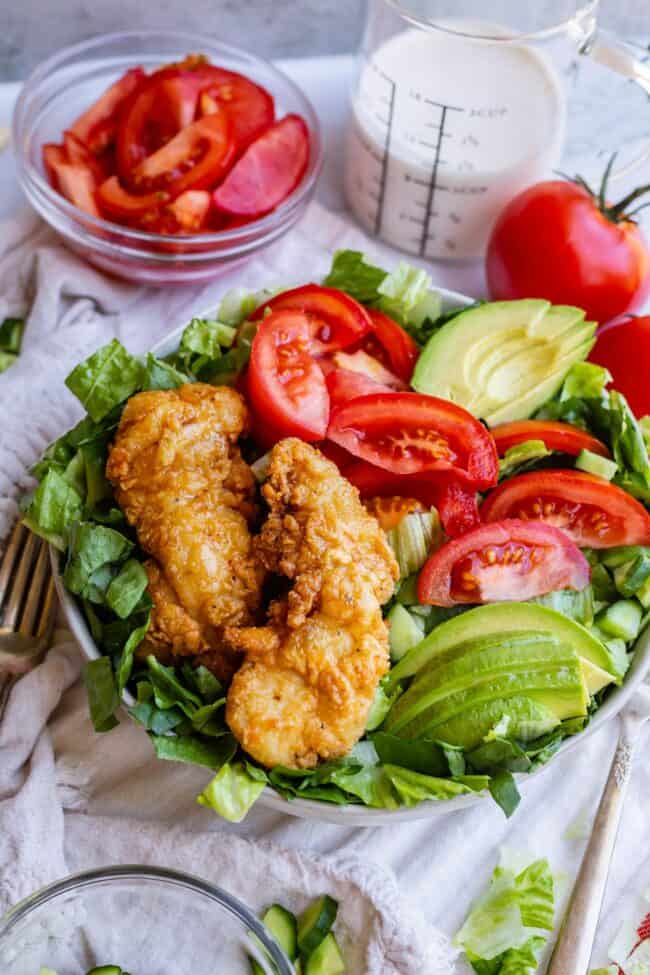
(455,111)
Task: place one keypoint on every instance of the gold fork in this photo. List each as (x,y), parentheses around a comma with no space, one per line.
(27,607)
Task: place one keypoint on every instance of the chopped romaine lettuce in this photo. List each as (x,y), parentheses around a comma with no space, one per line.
(350,272)
(11,336)
(126,589)
(163,375)
(103,697)
(93,548)
(501,932)
(233,790)
(212,754)
(106,379)
(53,509)
(238,304)
(522,456)
(206,337)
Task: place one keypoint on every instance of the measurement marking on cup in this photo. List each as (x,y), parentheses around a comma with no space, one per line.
(384,163)
(437,162)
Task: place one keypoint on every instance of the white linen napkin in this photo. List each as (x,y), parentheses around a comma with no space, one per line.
(71,310)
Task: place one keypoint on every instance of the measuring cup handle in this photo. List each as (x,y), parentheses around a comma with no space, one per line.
(625,59)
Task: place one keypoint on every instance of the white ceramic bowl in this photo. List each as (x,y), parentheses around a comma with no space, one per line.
(355,815)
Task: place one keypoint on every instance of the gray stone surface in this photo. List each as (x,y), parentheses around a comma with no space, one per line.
(32,29)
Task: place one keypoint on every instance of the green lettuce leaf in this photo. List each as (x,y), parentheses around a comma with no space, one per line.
(413,787)
(507,919)
(126,588)
(238,304)
(585,380)
(103,697)
(203,682)
(159,374)
(212,754)
(350,272)
(205,337)
(504,791)
(405,294)
(371,784)
(426,757)
(106,379)
(11,336)
(169,691)
(125,666)
(94,548)
(232,792)
(54,508)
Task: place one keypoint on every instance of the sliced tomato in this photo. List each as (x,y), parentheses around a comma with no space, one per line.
(391,511)
(557,436)
(54,155)
(268,172)
(508,560)
(336,320)
(363,364)
(98,125)
(118,202)
(286,386)
(590,510)
(194,159)
(456,503)
(77,184)
(79,154)
(400,349)
(344,386)
(249,106)
(408,433)
(164,105)
(337,455)
(189,211)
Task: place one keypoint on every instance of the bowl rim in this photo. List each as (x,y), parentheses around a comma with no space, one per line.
(353,814)
(161,876)
(31,178)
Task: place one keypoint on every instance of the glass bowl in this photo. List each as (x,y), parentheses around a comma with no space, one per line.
(147,920)
(67,83)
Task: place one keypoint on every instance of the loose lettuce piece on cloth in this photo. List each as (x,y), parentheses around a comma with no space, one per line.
(233,790)
(106,379)
(503,933)
(11,337)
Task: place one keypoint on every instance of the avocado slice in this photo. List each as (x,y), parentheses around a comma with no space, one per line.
(503,359)
(527,720)
(500,620)
(547,667)
(594,677)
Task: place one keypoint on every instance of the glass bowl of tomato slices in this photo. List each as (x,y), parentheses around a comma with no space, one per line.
(92,110)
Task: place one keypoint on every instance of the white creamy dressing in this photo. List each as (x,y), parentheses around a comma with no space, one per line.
(444,131)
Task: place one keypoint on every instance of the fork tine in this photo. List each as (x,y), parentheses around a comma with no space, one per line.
(12,553)
(48,614)
(19,583)
(36,593)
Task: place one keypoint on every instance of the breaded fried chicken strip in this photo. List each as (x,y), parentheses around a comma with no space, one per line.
(305,689)
(180,479)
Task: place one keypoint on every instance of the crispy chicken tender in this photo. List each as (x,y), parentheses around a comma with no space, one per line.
(305,689)
(180,479)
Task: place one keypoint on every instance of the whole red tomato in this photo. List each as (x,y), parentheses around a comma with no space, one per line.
(560,241)
(624,349)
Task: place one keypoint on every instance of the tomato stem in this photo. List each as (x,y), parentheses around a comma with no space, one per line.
(616,212)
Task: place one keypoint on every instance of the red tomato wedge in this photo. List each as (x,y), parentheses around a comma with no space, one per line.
(344,386)
(194,159)
(286,386)
(408,433)
(189,211)
(508,560)
(163,106)
(77,183)
(80,155)
(268,172)
(54,155)
(401,350)
(249,106)
(118,202)
(557,436)
(456,503)
(590,510)
(335,319)
(97,127)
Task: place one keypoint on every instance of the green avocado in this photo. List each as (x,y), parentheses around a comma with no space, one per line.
(523,719)
(548,670)
(503,360)
(500,621)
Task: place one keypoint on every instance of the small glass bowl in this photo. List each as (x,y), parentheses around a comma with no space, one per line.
(66,84)
(148,921)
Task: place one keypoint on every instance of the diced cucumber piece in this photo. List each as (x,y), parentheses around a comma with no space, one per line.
(405,631)
(621,619)
(413,539)
(326,959)
(643,594)
(283,926)
(595,464)
(315,923)
(602,584)
(630,576)
(577,605)
(614,557)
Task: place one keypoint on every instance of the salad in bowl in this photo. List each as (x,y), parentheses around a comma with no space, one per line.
(353,546)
